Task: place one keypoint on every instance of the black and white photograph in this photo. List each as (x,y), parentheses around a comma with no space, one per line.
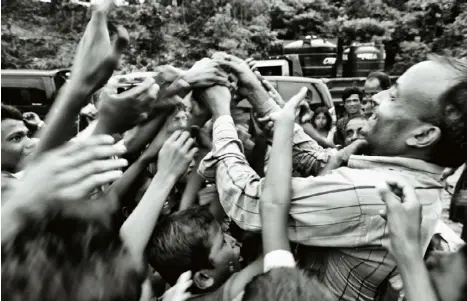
(234,150)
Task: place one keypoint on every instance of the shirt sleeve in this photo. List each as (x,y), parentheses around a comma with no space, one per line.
(325,210)
(309,157)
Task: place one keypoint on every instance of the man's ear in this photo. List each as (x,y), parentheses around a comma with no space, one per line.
(125,212)
(424,136)
(203,280)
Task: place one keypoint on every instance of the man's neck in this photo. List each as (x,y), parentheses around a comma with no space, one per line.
(354,114)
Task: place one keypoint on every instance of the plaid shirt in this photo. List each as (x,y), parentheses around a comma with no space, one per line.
(338,211)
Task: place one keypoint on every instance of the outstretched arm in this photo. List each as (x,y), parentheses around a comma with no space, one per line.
(174,158)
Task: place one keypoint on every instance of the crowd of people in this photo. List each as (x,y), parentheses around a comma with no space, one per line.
(173,193)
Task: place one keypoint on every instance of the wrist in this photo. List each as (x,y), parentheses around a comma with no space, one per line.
(185,80)
(410,264)
(220,111)
(168,177)
(407,253)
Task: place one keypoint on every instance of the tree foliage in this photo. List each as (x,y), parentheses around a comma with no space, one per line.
(44,35)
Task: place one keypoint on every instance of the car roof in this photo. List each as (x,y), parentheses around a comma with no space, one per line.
(318,83)
(32,72)
(295,79)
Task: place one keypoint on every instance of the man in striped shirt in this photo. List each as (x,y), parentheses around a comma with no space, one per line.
(417,131)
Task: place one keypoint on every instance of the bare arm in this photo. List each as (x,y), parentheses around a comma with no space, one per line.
(310,131)
(174,158)
(277,193)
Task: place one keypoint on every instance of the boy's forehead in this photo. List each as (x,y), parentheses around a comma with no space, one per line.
(10,126)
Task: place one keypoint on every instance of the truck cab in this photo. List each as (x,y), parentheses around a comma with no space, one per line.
(32,90)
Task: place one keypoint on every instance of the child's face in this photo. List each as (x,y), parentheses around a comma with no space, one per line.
(224,256)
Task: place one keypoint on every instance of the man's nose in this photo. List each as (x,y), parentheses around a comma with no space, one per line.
(31,142)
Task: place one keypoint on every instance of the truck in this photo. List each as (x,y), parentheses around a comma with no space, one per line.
(315,57)
(32,90)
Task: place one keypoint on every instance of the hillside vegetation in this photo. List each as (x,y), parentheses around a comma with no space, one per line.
(44,35)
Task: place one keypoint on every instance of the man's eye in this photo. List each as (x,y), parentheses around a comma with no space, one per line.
(17,138)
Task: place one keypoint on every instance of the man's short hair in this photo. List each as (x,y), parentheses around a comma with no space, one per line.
(68,258)
(451,149)
(286,284)
(361,117)
(9,112)
(182,242)
(383,78)
(350,91)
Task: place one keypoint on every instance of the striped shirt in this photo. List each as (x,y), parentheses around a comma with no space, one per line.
(338,211)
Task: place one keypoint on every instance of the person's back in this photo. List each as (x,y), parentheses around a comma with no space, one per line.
(358,269)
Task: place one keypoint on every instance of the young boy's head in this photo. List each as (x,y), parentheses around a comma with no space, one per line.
(192,240)
(286,284)
(69,258)
(15,141)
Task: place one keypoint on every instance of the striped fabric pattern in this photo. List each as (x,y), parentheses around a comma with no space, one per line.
(338,211)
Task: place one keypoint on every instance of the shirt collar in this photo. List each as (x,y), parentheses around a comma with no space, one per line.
(7,174)
(401,163)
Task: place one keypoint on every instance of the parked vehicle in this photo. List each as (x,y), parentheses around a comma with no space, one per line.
(288,86)
(32,90)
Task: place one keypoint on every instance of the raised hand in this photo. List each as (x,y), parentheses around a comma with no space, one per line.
(72,171)
(404,215)
(217,99)
(271,90)
(120,112)
(96,58)
(32,119)
(176,154)
(206,73)
(246,77)
(179,291)
(288,112)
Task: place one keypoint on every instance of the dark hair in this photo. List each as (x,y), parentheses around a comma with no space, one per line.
(286,284)
(327,115)
(68,258)
(9,112)
(182,242)
(451,149)
(350,91)
(383,78)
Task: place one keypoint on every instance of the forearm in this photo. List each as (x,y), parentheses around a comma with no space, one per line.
(274,219)
(277,189)
(137,229)
(260,99)
(238,184)
(146,132)
(119,188)
(322,141)
(419,287)
(61,119)
(333,163)
(195,182)
(308,157)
